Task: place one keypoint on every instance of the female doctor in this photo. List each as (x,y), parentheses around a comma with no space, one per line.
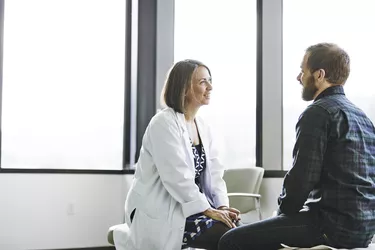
(178,198)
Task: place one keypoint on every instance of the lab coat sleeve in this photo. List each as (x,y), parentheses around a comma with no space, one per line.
(218,186)
(169,155)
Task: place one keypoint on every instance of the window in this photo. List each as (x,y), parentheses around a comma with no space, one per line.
(224,38)
(63,84)
(347,23)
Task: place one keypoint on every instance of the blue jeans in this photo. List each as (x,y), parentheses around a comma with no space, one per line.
(300,230)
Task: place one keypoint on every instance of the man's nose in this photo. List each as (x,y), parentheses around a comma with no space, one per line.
(299,77)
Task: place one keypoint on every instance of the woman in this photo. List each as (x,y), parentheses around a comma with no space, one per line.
(178,198)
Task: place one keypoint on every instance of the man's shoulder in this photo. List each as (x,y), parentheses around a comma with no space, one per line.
(312,116)
(315,110)
(334,102)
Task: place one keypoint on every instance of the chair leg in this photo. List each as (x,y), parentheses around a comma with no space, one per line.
(257,206)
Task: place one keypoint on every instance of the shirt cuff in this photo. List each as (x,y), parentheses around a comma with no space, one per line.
(194,207)
(221,200)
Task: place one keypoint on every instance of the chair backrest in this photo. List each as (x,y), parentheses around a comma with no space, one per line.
(243,180)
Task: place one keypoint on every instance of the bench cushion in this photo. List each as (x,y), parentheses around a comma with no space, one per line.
(322,247)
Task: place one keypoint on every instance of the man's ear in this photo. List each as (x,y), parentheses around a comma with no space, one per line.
(319,75)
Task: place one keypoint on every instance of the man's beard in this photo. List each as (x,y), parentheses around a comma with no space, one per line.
(309,90)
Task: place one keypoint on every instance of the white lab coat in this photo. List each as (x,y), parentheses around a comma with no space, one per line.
(163,190)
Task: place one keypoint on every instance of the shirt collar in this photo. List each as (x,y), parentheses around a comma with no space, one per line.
(334,90)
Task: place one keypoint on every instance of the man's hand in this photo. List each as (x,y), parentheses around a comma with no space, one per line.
(274,214)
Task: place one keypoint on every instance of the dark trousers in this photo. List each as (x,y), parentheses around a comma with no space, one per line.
(210,238)
(299,230)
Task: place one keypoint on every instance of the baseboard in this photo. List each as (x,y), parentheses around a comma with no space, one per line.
(86,248)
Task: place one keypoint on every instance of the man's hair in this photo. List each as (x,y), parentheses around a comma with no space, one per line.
(332,59)
(179,82)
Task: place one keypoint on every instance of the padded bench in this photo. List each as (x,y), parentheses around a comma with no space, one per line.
(321,247)
(124,227)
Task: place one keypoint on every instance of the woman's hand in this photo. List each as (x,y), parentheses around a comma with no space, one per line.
(223,215)
(236,221)
(231,209)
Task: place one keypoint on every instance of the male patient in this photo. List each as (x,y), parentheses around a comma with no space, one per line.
(328,196)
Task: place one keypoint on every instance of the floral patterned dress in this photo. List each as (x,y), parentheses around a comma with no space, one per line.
(198,223)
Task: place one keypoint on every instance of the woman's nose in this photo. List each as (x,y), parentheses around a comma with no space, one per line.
(209,86)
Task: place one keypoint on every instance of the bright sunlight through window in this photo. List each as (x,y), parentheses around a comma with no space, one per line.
(63,84)
(348,23)
(224,38)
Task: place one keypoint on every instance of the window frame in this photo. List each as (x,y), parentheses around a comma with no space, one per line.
(271,98)
(269,86)
(126,169)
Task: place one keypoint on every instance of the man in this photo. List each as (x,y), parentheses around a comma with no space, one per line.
(328,196)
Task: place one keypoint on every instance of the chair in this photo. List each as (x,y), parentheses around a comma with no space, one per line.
(243,186)
(124,228)
(110,235)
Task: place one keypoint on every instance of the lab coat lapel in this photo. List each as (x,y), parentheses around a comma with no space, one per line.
(185,134)
(203,136)
(206,144)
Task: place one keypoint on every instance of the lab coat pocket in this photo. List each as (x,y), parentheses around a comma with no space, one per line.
(152,233)
(123,237)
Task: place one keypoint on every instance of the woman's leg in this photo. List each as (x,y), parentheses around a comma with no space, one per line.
(210,238)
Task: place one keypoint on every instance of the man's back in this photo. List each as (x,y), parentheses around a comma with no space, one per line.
(347,182)
(328,195)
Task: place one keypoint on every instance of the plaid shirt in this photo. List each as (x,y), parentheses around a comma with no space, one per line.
(333,173)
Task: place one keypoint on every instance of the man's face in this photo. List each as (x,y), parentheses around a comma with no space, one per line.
(307,80)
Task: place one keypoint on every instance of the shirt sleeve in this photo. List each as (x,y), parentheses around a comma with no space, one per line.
(308,154)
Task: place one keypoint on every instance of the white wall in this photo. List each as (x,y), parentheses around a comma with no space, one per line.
(50,211)
(270,191)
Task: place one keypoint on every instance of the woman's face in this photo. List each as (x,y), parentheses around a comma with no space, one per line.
(201,86)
